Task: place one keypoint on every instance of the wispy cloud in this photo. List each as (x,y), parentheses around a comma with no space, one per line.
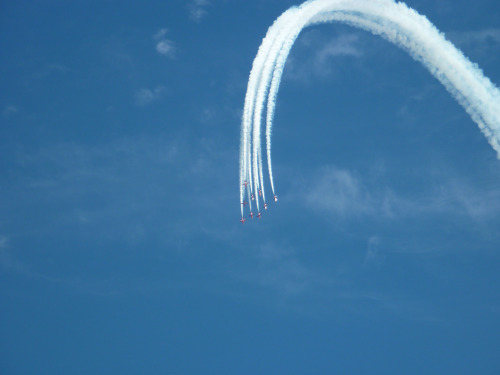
(480,43)
(117,54)
(131,177)
(281,278)
(280,269)
(164,46)
(131,192)
(277,268)
(197,9)
(373,253)
(145,96)
(10,110)
(8,262)
(463,198)
(51,70)
(3,241)
(486,36)
(208,115)
(56,67)
(318,53)
(339,193)
(344,194)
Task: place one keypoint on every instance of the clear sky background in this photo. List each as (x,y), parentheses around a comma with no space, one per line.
(120,246)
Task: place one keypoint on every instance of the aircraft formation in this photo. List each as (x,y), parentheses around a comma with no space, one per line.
(390,19)
(252,198)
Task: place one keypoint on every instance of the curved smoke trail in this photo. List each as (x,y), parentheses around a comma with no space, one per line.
(253,81)
(393,21)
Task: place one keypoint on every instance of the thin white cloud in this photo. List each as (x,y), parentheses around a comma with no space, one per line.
(3,241)
(145,96)
(8,261)
(59,68)
(465,199)
(339,193)
(343,45)
(373,253)
(117,54)
(486,36)
(208,115)
(160,34)
(51,70)
(318,53)
(68,170)
(278,268)
(164,46)
(10,110)
(197,9)
(343,194)
(480,44)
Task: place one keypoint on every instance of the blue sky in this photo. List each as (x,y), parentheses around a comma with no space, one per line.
(120,246)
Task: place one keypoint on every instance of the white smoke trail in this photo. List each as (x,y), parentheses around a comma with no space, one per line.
(280,57)
(415,34)
(265,70)
(254,79)
(287,22)
(261,182)
(398,24)
(249,188)
(283,42)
